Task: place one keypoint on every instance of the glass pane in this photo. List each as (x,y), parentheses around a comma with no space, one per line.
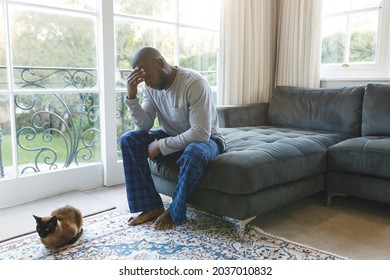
(365,4)
(198,51)
(333,39)
(363,40)
(335,6)
(3,61)
(83,5)
(339,6)
(131,36)
(63,53)
(123,119)
(161,9)
(200,13)
(6,169)
(57,130)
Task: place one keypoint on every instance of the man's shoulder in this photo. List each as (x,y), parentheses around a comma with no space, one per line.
(193,79)
(188,73)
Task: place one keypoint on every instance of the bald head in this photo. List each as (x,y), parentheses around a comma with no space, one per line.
(158,74)
(145,56)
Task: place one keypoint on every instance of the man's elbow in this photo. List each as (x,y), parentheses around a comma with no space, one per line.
(201,135)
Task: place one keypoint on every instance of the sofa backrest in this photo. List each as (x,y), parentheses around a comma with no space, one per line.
(330,109)
(376,110)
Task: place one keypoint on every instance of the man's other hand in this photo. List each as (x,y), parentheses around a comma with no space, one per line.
(153,151)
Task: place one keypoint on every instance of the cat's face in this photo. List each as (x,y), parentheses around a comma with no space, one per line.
(45,225)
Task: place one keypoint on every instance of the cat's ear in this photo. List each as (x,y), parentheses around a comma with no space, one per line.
(53,220)
(38,219)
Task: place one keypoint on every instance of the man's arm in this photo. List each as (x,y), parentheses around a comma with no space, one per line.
(144,115)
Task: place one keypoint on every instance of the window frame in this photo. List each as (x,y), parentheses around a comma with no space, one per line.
(376,70)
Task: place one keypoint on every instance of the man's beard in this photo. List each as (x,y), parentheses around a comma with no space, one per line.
(163,81)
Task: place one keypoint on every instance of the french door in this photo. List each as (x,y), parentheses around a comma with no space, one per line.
(58,105)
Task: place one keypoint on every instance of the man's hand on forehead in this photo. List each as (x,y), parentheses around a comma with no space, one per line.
(136,77)
(140,69)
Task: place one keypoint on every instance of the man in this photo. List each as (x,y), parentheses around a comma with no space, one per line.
(181,99)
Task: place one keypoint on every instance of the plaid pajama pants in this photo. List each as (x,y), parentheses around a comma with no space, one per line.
(141,192)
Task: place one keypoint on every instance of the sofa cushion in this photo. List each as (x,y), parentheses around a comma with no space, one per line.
(365,155)
(259,157)
(376,113)
(338,109)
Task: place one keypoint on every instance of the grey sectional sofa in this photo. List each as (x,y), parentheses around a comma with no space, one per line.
(302,142)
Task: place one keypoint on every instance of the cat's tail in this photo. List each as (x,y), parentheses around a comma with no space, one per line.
(76,237)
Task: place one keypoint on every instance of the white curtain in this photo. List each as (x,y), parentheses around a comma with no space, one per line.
(299,43)
(247,51)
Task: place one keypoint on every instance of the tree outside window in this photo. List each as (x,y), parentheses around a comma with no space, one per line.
(350,31)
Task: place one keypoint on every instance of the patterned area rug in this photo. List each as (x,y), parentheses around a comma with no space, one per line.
(202,237)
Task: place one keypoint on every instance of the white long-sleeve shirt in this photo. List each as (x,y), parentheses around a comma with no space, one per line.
(185,111)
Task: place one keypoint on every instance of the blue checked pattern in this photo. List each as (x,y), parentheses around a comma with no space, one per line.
(141,192)
(192,163)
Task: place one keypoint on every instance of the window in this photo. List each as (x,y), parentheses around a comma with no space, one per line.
(355,39)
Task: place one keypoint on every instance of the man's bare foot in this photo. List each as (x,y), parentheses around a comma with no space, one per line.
(145,217)
(164,221)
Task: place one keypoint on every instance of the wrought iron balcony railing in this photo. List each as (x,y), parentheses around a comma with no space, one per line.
(54,128)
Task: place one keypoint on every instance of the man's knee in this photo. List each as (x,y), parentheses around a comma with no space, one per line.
(124,137)
(134,136)
(195,153)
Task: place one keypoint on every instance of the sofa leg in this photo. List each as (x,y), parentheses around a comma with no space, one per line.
(330,195)
(329,198)
(243,224)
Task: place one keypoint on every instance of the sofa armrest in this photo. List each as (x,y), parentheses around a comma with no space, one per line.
(243,115)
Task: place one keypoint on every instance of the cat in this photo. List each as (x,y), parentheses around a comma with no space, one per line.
(62,227)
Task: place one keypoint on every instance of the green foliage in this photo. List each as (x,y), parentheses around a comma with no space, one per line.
(74,115)
(3,79)
(333,48)
(55,40)
(56,143)
(131,36)
(6,149)
(151,8)
(362,47)
(206,62)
